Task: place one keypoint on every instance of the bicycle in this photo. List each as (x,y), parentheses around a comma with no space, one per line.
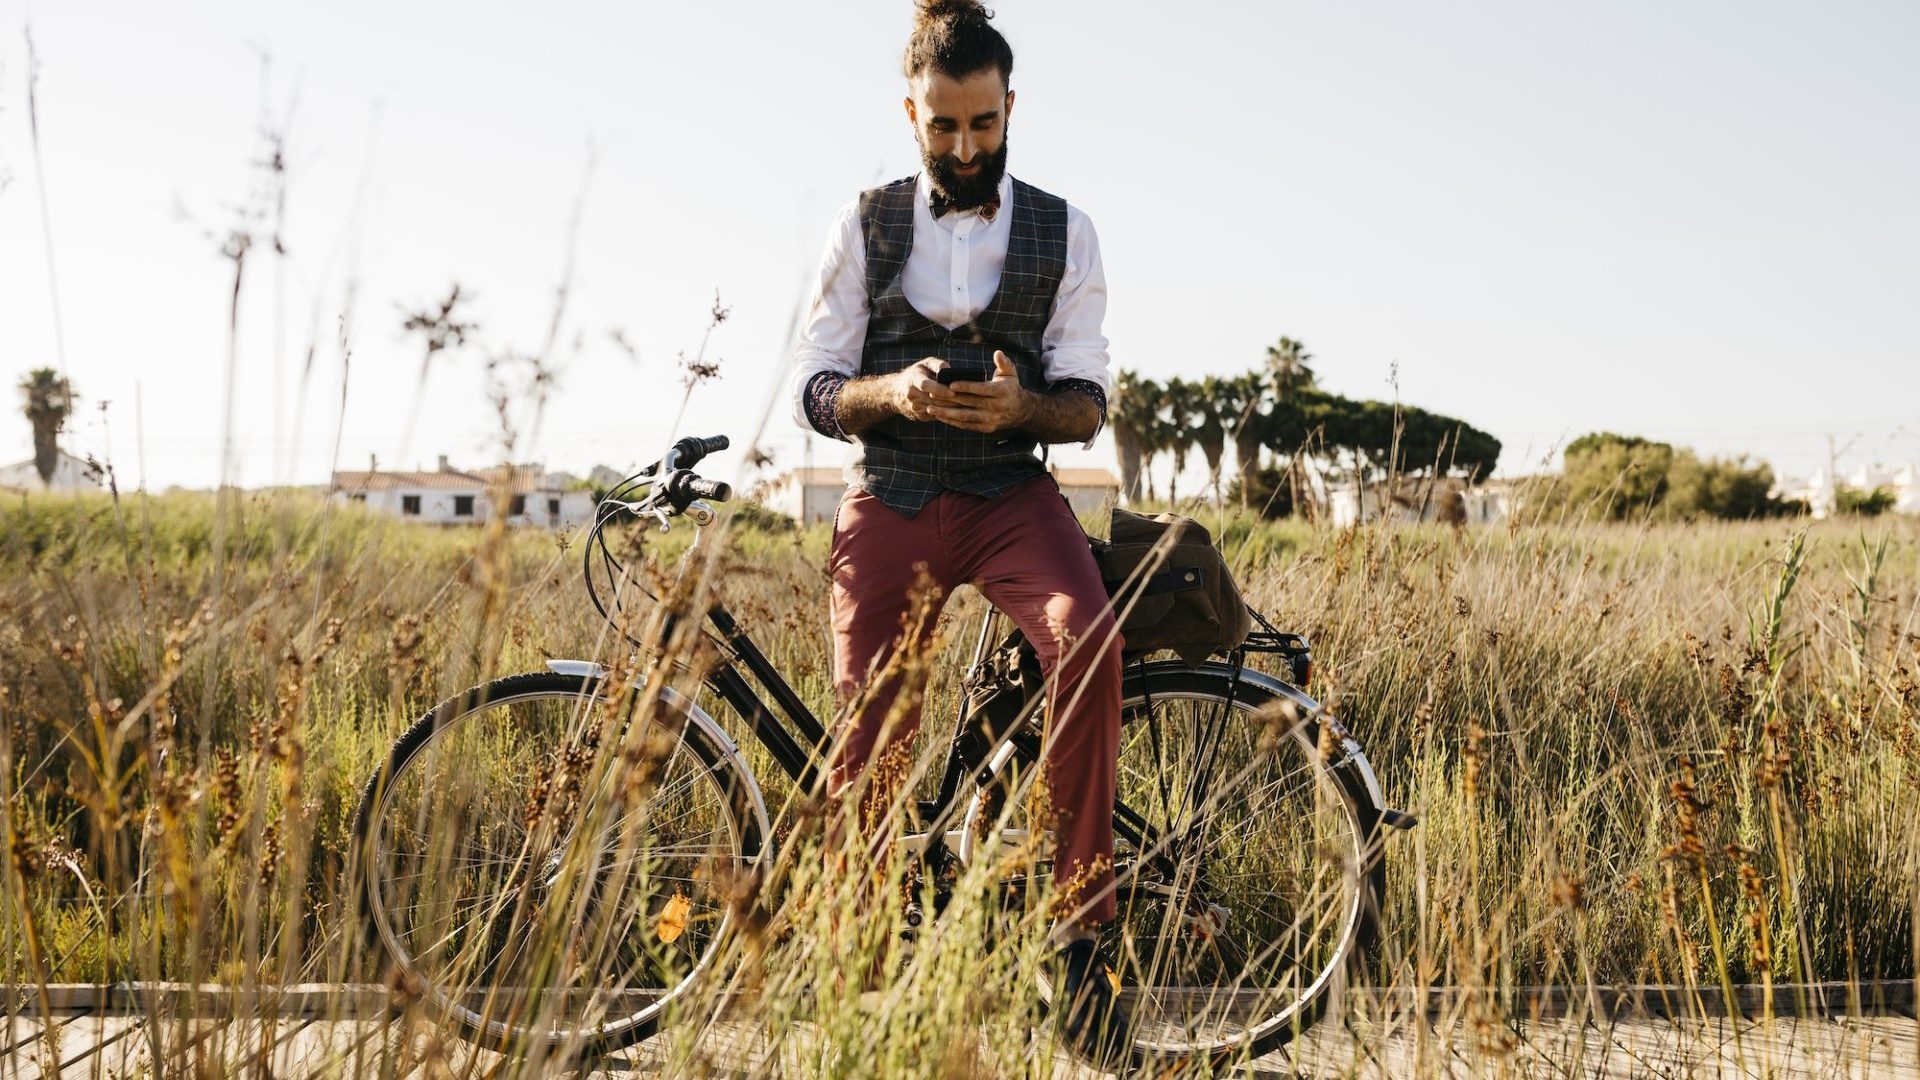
(1248,828)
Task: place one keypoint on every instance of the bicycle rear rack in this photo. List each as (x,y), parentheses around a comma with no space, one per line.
(1294,647)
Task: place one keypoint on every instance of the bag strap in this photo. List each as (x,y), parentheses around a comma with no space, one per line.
(1173,579)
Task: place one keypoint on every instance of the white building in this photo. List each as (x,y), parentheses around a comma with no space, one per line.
(1446,500)
(809,496)
(1818,489)
(449,496)
(1088,490)
(69,474)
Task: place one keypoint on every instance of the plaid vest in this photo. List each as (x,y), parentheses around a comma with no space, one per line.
(905,463)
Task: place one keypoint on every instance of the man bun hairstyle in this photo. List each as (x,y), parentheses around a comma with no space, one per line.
(955,38)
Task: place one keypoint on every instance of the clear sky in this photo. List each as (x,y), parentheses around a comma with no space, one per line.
(1695,221)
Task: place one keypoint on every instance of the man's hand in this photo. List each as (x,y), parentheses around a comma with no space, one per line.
(917,391)
(998,404)
(909,392)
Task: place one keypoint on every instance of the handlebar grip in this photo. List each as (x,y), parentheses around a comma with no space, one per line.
(688,451)
(717,490)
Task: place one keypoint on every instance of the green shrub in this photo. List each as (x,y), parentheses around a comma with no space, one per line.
(1856,503)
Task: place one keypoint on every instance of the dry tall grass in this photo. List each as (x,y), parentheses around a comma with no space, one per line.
(1678,755)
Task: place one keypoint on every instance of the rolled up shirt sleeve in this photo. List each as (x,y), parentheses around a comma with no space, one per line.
(1073,349)
(828,352)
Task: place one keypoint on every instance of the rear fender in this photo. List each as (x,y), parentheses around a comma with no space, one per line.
(1352,759)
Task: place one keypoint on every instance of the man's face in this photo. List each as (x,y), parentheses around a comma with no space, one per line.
(961,125)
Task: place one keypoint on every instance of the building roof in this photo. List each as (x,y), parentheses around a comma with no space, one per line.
(1100,478)
(86,467)
(60,454)
(394,481)
(824,476)
(515,479)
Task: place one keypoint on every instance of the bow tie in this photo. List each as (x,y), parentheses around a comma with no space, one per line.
(940,204)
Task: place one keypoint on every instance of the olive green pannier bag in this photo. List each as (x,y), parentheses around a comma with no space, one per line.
(1170,587)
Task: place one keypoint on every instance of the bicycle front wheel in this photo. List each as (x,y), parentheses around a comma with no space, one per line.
(1245,872)
(550,863)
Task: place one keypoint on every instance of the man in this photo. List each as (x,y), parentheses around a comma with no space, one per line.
(965,269)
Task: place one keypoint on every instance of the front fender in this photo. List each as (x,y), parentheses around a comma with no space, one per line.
(708,726)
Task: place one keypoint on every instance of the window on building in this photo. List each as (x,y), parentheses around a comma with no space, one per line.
(517,507)
(410,505)
(358,496)
(463,506)
(553,509)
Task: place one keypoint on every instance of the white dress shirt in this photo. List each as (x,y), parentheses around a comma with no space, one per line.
(950,277)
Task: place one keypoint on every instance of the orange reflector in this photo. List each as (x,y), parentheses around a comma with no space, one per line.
(1112,977)
(673,921)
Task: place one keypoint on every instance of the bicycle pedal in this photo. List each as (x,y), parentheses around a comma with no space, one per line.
(1400,820)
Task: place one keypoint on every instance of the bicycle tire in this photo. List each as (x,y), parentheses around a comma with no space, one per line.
(508,866)
(1287,996)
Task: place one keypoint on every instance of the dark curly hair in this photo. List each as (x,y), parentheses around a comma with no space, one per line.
(955,38)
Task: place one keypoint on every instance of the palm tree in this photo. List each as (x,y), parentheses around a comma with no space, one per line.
(1178,402)
(1244,396)
(1214,412)
(1287,368)
(1287,374)
(1130,414)
(47,399)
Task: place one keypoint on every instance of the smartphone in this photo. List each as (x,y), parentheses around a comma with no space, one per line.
(947,376)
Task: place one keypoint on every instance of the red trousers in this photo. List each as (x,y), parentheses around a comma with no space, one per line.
(1028,555)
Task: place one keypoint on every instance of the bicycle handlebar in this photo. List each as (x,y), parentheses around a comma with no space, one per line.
(685,487)
(688,451)
(676,485)
(676,490)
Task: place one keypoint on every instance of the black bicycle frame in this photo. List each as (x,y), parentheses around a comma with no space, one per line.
(998,688)
(797,739)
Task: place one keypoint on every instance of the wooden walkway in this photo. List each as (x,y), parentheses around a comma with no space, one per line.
(107,1032)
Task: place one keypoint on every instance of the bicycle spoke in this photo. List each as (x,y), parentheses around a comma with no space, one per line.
(526,881)
(1236,867)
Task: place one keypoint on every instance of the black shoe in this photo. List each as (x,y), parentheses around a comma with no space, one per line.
(1090,1018)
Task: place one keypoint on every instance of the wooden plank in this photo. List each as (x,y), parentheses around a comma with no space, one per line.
(1785,1049)
(205,999)
(19,1041)
(78,1042)
(17,1031)
(1535,1002)
(1879,998)
(1387,1046)
(225,1046)
(335,1048)
(113,1058)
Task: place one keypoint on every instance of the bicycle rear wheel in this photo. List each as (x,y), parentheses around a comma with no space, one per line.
(1245,866)
(550,864)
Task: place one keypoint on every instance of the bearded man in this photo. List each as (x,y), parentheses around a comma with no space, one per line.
(966,270)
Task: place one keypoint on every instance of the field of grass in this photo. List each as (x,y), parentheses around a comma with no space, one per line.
(1665,754)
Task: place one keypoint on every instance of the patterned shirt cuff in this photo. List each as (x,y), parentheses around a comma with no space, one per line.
(823,404)
(1092,390)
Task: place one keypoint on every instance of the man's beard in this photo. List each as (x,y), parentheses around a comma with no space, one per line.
(966,192)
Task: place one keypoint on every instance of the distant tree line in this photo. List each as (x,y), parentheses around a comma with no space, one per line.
(1621,477)
(1857,503)
(1277,420)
